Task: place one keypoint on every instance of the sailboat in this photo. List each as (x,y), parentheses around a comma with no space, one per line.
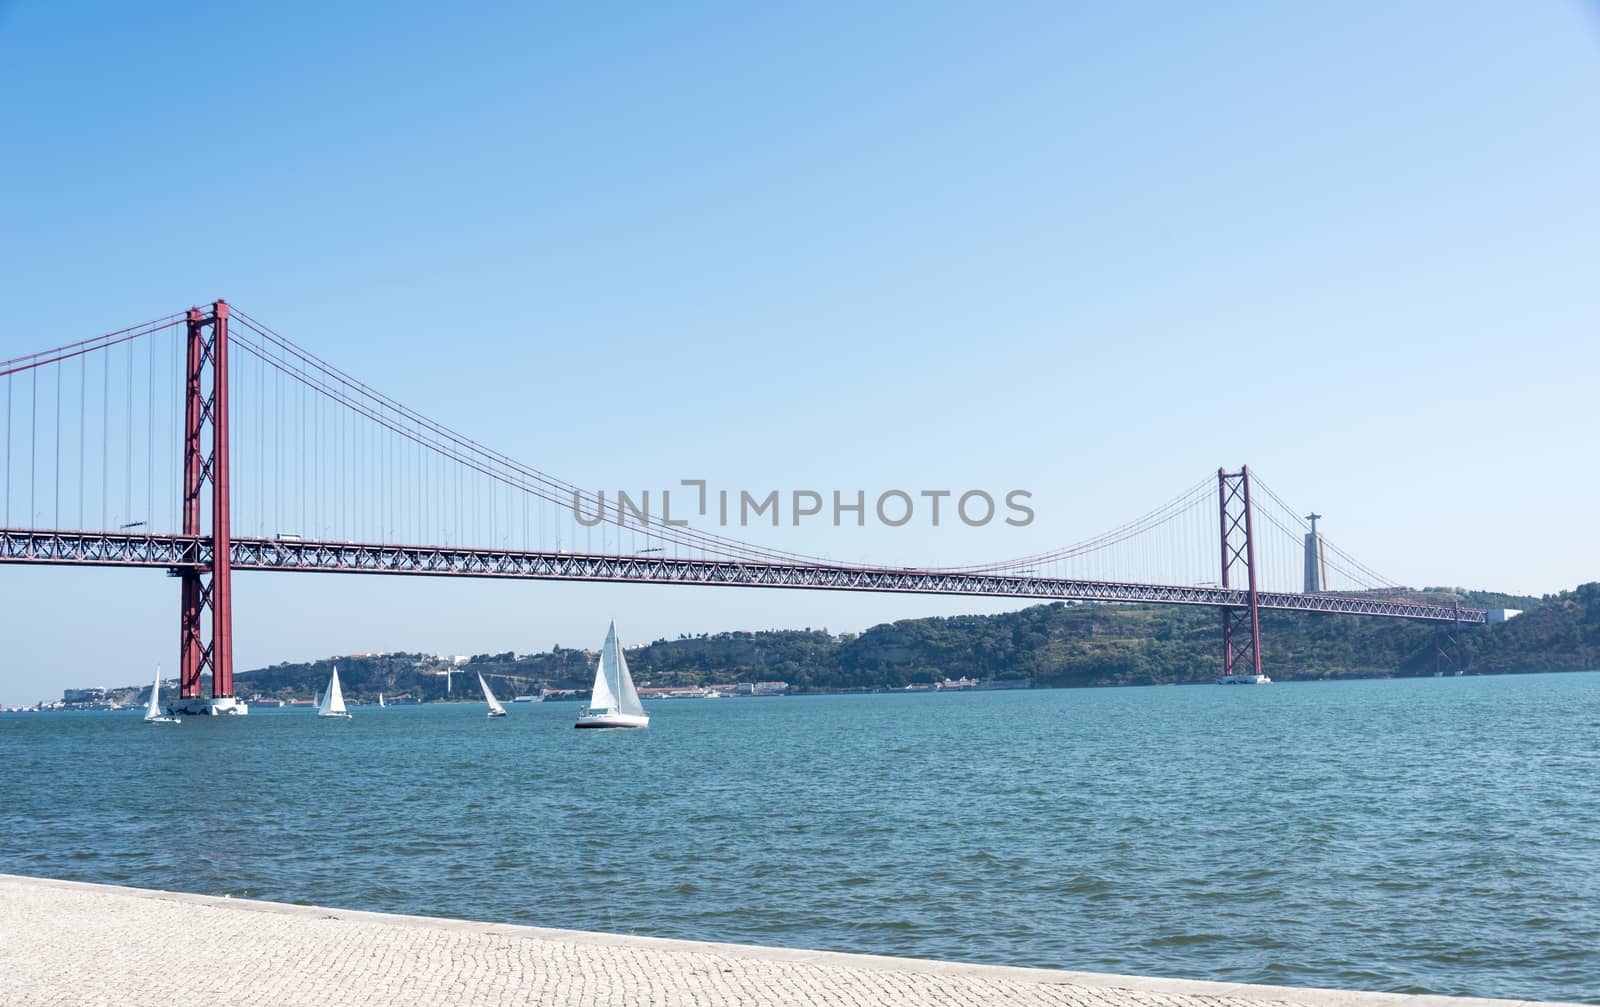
(614,702)
(381,703)
(153,714)
(332,702)
(495,709)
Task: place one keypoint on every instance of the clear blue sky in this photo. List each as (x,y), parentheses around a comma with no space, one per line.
(1092,250)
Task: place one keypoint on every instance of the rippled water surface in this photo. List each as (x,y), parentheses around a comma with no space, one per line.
(1434,835)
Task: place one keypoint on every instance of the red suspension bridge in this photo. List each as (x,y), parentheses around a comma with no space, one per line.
(204,443)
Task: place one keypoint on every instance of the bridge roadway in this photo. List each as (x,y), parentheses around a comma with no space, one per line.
(177,552)
(68,943)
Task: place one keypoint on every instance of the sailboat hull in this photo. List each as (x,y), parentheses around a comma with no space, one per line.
(612,720)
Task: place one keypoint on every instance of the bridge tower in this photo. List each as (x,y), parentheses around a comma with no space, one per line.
(205,460)
(1241,628)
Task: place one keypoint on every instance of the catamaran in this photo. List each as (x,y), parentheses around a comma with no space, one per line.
(332,702)
(614,702)
(495,709)
(153,714)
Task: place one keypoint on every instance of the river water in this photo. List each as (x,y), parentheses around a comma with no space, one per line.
(1432,835)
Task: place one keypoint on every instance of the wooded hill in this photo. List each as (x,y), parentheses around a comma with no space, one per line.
(1053,645)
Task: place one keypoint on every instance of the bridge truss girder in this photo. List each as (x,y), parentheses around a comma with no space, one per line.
(177,552)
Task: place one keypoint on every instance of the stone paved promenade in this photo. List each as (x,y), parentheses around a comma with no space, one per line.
(69,943)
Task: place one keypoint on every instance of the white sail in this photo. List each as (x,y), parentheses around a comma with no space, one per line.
(154,709)
(629,696)
(332,704)
(494,704)
(380,700)
(604,696)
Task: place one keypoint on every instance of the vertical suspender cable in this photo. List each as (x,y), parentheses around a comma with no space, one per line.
(261,445)
(58,446)
(382,499)
(8,449)
(150,438)
(33,452)
(375,449)
(316,451)
(127,430)
(83,384)
(377,481)
(173,429)
(105,442)
(277,450)
(387,501)
(360,497)
(359,476)
(358,486)
(316,463)
(341,471)
(349,471)
(336,468)
(368,468)
(344,476)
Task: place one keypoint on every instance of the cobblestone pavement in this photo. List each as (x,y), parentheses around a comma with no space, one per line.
(67,943)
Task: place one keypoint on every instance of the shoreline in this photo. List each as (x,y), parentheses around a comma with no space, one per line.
(74,942)
(1330,680)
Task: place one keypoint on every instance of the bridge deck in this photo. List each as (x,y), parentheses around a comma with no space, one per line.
(180,551)
(67,943)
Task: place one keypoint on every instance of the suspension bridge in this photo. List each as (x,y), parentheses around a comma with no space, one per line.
(205,443)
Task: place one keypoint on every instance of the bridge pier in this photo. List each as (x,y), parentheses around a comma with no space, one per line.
(206,461)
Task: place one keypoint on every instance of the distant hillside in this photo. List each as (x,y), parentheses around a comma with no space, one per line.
(1054,645)
(1561,634)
